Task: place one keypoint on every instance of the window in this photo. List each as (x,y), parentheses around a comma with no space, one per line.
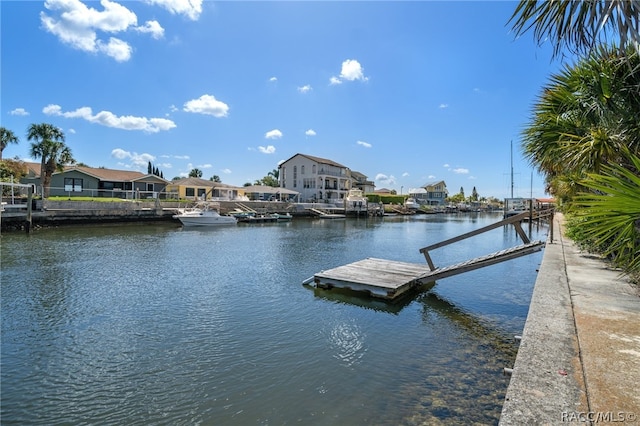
(301,170)
(313,169)
(295,174)
(190,192)
(72,185)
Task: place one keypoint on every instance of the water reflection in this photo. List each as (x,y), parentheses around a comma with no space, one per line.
(160,325)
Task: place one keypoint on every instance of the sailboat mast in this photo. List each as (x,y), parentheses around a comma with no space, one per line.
(511,169)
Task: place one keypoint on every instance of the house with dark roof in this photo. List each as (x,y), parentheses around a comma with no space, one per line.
(97,182)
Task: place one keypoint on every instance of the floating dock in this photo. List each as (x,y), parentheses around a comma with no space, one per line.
(386,279)
(390,279)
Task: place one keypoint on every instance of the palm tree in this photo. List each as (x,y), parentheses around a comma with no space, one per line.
(579,25)
(587,116)
(51,149)
(6,137)
(609,213)
(196,173)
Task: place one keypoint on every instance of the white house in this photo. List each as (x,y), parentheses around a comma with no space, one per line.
(316,179)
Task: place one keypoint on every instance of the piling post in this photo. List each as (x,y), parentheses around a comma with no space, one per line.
(27,226)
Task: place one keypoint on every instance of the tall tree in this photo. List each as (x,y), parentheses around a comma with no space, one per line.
(197,173)
(49,146)
(6,137)
(587,116)
(474,194)
(215,178)
(579,25)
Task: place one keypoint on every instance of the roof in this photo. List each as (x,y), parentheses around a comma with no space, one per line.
(434,183)
(194,181)
(100,173)
(317,160)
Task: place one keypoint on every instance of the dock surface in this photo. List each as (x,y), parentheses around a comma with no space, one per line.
(381,278)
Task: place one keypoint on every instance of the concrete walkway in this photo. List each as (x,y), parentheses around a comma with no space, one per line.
(579,358)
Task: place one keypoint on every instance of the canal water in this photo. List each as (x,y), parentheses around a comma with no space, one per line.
(155,324)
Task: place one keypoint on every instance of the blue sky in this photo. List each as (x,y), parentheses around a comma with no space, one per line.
(404,92)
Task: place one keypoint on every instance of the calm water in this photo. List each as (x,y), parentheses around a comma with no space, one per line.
(153,324)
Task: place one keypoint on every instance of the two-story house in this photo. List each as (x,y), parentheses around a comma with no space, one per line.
(431,193)
(316,179)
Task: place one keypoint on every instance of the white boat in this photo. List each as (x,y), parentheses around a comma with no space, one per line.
(203,214)
(355,202)
(411,204)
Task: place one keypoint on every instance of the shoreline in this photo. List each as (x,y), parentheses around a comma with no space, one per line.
(579,357)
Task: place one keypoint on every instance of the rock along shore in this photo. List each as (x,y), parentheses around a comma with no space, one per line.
(579,357)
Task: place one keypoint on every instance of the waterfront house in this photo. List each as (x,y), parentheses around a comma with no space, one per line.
(431,193)
(269,193)
(361,182)
(97,182)
(316,179)
(193,188)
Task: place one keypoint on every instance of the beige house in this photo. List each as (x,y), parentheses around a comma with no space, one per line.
(192,188)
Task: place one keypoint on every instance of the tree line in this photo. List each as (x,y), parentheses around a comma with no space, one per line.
(583,134)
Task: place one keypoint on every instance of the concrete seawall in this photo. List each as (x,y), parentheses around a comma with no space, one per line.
(579,358)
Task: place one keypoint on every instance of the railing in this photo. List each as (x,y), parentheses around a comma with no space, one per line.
(124,194)
(515,220)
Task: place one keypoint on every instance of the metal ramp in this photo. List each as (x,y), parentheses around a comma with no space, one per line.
(482,261)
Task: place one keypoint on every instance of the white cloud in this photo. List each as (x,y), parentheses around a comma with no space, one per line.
(208,105)
(351,71)
(138,160)
(405,174)
(153,28)
(19,111)
(267,149)
(226,171)
(189,8)
(205,166)
(116,48)
(386,180)
(273,79)
(364,144)
(273,134)
(108,119)
(431,177)
(305,89)
(446,165)
(77,25)
(443,106)
(310,132)
(460,171)
(72,131)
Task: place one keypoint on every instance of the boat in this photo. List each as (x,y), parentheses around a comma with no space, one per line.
(355,201)
(411,204)
(203,214)
(283,217)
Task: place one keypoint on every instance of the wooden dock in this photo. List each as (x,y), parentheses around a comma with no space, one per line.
(386,279)
(389,279)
